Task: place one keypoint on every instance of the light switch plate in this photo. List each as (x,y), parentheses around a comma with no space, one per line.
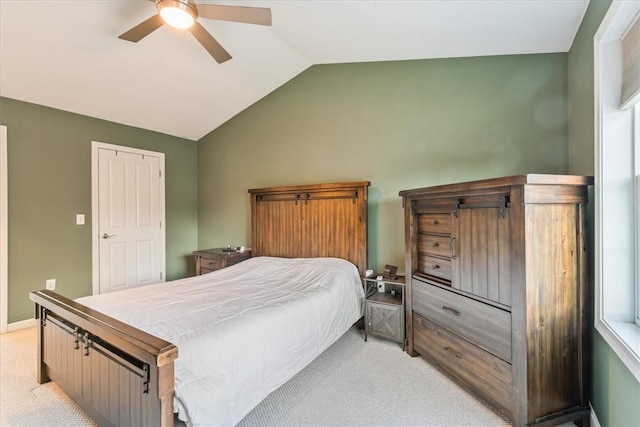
(79,219)
(50,284)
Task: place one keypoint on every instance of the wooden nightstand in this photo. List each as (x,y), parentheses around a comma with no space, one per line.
(209,260)
(384,308)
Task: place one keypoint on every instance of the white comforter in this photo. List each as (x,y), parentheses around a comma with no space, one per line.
(243,331)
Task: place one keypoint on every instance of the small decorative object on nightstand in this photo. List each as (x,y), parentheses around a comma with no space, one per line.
(384,308)
(209,260)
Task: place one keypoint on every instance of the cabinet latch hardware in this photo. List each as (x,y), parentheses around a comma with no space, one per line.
(502,209)
(87,343)
(76,338)
(145,378)
(456,206)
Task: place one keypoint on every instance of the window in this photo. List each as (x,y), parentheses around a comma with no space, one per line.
(617,178)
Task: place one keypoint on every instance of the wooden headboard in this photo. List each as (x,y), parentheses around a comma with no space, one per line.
(304,221)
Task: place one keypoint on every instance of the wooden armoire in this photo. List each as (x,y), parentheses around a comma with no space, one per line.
(496,291)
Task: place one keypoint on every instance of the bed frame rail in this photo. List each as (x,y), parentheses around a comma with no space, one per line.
(117,374)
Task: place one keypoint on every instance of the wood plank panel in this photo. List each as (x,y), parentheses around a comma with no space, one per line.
(94,378)
(324,220)
(552,322)
(124,398)
(114,393)
(103,386)
(87,389)
(135,399)
(504,257)
(479,245)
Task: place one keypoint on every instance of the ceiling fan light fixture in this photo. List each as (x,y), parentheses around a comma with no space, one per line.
(177,13)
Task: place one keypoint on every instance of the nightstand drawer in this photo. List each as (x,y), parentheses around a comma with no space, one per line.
(484,325)
(211,264)
(215,259)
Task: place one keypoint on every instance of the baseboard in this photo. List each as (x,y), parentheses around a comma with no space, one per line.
(23,324)
(594,418)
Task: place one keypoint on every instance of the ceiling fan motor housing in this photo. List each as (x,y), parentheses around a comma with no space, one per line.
(186,5)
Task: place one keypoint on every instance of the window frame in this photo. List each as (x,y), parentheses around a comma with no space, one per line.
(617,198)
(636,155)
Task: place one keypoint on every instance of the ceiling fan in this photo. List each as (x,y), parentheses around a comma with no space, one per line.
(183,14)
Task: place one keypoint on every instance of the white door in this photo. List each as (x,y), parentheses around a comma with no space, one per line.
(130,216)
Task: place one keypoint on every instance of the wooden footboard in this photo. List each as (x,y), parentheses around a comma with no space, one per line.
(117,374)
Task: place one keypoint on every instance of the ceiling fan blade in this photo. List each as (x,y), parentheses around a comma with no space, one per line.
(143,29)
(247,15)
(207,41)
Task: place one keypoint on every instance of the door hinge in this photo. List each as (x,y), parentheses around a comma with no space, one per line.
(159,174)
(161,275)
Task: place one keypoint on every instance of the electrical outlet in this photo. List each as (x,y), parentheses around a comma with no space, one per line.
(51,284)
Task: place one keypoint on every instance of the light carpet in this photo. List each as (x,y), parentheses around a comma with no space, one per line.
(24,402)
(353,383)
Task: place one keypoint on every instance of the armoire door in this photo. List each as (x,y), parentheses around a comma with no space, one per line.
(481,265)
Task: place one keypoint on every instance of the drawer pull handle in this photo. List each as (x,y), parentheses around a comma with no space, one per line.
(452,247)
(435,245)
(434,222)
(451,352)
(435,267)
(451,310)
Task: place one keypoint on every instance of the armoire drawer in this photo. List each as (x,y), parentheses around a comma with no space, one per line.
(482,324)
(439,223)
(433,266)
(434,245)
(481,372)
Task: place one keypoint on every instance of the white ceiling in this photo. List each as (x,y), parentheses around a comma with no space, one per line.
(67,55)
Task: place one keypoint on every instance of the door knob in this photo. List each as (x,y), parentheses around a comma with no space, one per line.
(106,236)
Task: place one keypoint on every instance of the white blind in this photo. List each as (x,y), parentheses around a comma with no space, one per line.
(631,65)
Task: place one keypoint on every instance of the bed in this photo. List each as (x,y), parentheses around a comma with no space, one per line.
(119,361)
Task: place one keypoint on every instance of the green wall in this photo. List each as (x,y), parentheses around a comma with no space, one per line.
(615,393)
(49,178)
(400,125)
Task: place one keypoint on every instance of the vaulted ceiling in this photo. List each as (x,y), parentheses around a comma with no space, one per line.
(67,55)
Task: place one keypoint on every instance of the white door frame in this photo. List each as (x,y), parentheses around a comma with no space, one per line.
(95,224)
(4,230)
